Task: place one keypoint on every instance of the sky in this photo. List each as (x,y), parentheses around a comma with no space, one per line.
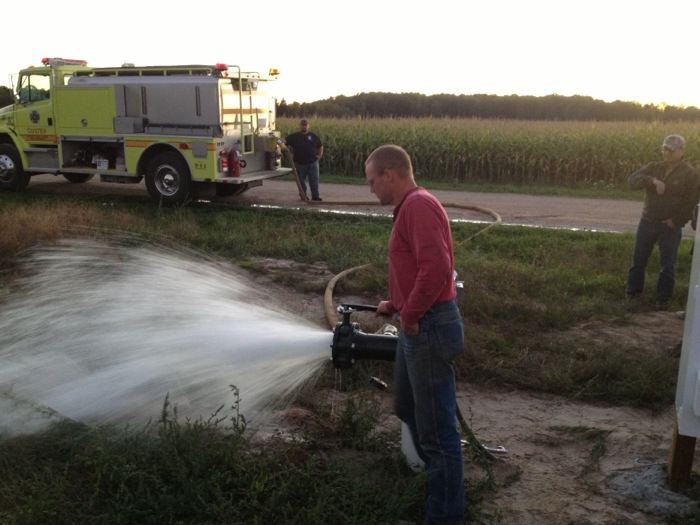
(630,50)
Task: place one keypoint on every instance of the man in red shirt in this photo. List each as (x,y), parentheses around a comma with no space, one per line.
(422,292)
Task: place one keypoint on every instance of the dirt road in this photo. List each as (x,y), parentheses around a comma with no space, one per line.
(514,209)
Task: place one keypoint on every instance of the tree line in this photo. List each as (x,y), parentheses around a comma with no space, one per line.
(510,107)
(6,96)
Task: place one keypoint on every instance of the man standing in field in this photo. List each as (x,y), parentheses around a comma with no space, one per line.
(307,150)
(422,292)
(671,191)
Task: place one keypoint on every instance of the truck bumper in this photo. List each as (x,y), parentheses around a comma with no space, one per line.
(252,177)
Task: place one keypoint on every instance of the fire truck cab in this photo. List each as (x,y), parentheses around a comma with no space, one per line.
(186,130)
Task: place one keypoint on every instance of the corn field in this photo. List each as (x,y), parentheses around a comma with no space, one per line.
(573,154)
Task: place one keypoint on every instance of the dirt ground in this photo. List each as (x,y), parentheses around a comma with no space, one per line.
(544,477)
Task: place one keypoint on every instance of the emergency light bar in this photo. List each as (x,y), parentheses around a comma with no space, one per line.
(63,62)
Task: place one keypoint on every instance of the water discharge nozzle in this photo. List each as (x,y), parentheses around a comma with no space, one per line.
(351,344)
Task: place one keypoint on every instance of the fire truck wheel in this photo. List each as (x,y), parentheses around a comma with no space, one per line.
(229,190)
(78,178)
(168,179)
(12,175)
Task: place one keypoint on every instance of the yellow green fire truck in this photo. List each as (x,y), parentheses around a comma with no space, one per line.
(188,131)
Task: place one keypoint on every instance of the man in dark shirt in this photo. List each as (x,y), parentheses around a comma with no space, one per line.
(672,189)
(307,150)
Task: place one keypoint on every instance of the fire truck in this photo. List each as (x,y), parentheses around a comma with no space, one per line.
(188,131)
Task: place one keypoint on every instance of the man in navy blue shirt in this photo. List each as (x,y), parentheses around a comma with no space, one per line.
(307,150)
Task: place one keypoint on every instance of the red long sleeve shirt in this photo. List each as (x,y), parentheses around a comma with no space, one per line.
(421,257)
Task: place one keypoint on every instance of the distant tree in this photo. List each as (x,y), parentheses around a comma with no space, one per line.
(6,96)
(281,108)
(289,110)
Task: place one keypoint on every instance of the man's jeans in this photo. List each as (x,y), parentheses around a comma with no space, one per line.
(650,233)
(424,399)
(310,171)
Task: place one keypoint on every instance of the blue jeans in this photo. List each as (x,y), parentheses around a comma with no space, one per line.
(650,233)
(310,172)
(424,399)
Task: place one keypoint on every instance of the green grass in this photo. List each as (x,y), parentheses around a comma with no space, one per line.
(206,471)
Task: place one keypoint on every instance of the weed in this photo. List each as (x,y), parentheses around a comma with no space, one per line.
(565,435)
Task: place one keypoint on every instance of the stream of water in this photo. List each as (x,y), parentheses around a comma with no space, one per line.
(103,332)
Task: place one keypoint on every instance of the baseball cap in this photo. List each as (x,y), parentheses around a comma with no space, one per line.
(674,142)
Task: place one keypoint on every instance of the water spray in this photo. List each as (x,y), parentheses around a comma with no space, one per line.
(143,322)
